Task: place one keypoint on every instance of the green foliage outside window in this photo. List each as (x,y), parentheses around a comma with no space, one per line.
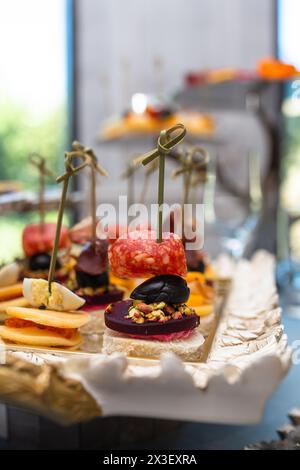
(20,135)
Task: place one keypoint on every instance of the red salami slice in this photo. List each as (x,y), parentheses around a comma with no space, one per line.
(137,254)
(40,239)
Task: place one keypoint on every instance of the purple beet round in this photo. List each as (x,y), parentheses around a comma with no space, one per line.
(112,295)
(115,320)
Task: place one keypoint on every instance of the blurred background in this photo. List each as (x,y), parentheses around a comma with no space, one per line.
(112,73)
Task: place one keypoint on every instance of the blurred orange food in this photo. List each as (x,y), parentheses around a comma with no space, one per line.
(272,69)
(127,284)
(200,291)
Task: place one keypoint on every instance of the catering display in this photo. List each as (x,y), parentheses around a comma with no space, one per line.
(194,338)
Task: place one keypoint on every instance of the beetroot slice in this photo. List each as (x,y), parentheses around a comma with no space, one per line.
(113,295)
(115,320)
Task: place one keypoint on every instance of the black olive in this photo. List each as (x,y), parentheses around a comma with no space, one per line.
(89,280)
(164,288)
(41,261)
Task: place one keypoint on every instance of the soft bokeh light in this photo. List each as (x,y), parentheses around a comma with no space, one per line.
(139,103)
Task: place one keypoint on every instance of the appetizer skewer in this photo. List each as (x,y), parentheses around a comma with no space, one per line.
(194,163)
(156,317)
(37,241)
(90,277)
(53,321)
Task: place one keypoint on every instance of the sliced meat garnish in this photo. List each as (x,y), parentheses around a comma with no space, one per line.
(39,238)
(138,254)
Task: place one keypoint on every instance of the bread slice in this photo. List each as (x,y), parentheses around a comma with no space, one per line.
(206,324)
(37,337)
(50,317)
(189,349)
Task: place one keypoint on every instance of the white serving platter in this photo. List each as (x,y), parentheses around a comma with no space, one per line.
(248,358)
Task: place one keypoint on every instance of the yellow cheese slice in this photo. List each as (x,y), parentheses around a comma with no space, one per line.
(18,302)
(11,292)
(50,317)
(36,337)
